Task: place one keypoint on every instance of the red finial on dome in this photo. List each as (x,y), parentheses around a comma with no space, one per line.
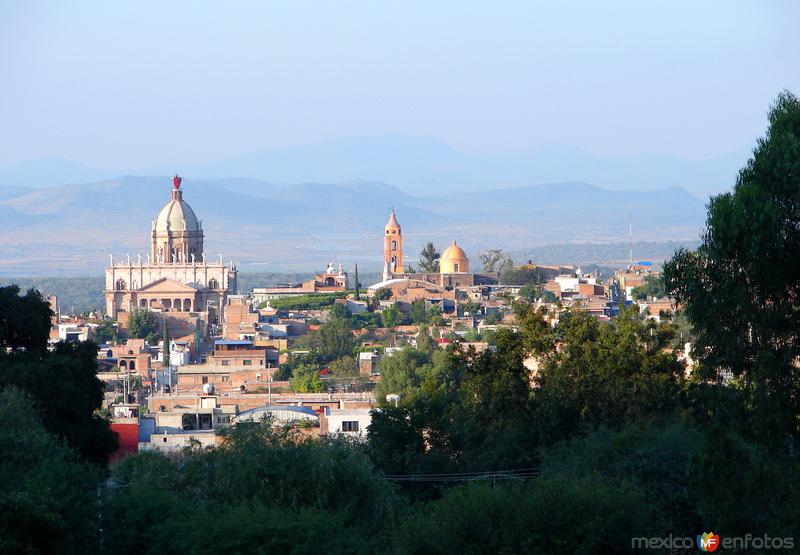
(176,181)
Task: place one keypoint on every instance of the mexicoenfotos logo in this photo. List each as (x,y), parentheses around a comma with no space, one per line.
(708,542)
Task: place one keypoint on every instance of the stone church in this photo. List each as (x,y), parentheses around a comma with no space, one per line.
(453,262)
(175,279)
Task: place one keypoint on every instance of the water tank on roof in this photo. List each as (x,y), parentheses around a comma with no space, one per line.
(208,389)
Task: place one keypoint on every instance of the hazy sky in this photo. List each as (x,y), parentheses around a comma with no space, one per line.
(124,85)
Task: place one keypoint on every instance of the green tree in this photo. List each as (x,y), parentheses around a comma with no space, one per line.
(24,320)
(528,292)
(740,287)
(383,294)
(262,489)
(391,316)
(344,367)
(333,339)
(429,259)
(48,496)
(603,374)
(547,515)
(419,313)
(425,342)
(339,310)
(142,323)
(106,331)
(305,379)
(63,382)
(435,315)
(653,287)
(64,385)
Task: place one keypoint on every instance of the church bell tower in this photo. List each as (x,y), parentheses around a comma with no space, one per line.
(392,248)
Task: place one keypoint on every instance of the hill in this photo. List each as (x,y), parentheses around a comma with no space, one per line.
(71,229)
(420,166)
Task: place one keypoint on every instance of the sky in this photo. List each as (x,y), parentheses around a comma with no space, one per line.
(131,84)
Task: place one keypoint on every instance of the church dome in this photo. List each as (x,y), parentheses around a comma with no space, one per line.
(453,260)
(177,215)
(177,234)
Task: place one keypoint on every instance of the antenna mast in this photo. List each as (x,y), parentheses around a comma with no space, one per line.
(630,238)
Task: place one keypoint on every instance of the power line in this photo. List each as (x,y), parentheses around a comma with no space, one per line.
(493,475)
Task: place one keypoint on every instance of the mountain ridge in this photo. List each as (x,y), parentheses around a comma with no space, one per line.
(420,165)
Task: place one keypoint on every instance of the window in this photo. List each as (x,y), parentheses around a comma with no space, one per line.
(205,379)
(213,284)
(350,426)
(394,245)
(120,285)
(455,267)
(247,362)
(226,363)
(226,378)
(224,419)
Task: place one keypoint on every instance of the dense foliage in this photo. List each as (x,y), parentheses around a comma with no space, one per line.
(653,287)
(61,382)
(741,286)
(143,324)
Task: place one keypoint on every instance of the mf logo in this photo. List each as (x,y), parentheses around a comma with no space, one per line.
(708,542)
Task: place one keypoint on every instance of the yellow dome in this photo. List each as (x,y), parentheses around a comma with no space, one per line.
(453,260)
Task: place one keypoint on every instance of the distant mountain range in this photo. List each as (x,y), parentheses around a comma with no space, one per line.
(71,229)
(420,166)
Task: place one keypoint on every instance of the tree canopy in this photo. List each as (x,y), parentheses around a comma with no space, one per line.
(429,259)
(142,324)
(63,383)
(740,288)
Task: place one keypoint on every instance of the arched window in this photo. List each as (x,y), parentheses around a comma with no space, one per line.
(143,303)
(123,364)
(394,245)
(135,285)
(120,286)
(330,281)
(213,284)
(187,305)
(132,365)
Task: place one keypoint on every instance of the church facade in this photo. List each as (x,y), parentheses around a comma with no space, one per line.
(175,278)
